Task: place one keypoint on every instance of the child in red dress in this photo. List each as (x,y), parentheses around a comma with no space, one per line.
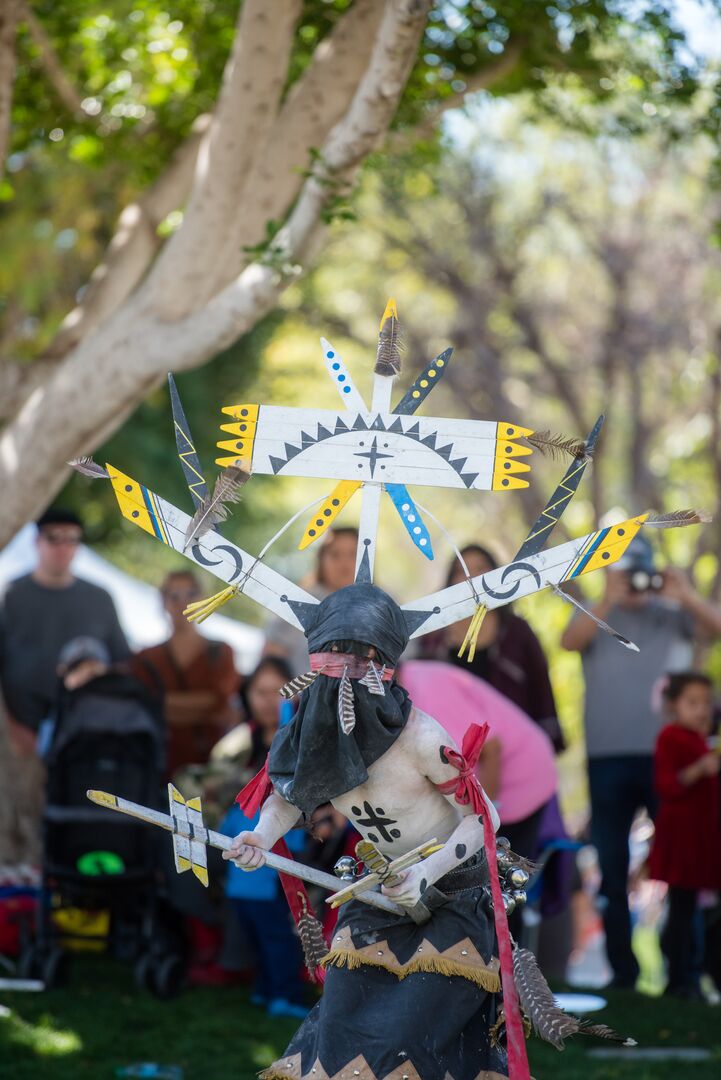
(686,851)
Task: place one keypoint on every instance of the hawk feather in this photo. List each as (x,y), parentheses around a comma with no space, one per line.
(557,445)
(373,681)
(346,706)
(314,944)
(390,346)
(678,519)
(87,467)
(298,684)
(211,511)
(549,1021)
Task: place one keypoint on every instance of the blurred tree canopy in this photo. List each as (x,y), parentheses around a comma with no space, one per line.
(574,277)
(171,168)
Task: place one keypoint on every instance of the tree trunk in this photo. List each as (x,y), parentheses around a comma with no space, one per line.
(9,11)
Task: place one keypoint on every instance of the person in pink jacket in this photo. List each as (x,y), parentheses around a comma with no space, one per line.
(518,769)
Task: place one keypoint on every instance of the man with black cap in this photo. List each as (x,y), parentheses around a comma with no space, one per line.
(661,613)
(41,613)
(358,742)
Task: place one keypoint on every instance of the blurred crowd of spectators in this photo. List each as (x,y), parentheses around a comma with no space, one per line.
(60,636)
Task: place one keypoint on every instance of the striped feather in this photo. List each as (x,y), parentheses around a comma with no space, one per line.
(390,344)
(557,445)
(550,1022)
(346,704)
(314,944)
(87,467)
(373,681)
(211,511)
(678,519)
(298,684)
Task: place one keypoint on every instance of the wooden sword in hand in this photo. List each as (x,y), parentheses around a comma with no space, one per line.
(191,837)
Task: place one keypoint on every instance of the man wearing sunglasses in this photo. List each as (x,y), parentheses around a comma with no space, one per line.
(40,613)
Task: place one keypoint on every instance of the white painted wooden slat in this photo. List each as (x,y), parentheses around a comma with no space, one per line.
(522,578)
(368,525)
(280,421)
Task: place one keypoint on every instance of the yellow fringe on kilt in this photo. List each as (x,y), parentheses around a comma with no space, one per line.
(484,977)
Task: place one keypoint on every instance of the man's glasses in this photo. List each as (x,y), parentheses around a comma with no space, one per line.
(58,539)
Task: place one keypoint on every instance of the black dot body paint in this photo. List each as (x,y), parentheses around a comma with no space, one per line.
(460,851)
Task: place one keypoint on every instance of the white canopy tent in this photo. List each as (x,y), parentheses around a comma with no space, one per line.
(138,605)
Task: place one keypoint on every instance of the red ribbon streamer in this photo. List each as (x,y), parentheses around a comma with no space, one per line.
(250,800)
(467,791)
(255,792)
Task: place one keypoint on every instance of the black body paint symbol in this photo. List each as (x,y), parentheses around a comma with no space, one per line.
(516,585)
(376,819)
(460,850)
(373,455)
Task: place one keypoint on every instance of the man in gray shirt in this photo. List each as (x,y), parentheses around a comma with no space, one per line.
(40,613)
(660,613)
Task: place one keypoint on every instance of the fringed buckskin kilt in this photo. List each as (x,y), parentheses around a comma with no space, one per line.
(406,1002)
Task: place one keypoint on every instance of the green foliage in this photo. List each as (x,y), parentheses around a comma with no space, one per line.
(144,70)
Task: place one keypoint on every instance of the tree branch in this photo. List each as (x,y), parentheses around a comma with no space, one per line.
(316,103)
(253,83)
(490,75)
(358,133)
(50,63)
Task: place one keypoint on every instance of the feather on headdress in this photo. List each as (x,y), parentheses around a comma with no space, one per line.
(211,511)
(390,343)
(87,467)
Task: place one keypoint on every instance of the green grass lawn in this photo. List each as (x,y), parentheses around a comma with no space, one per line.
(100,1022)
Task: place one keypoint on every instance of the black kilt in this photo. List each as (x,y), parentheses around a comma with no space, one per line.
(406,1002)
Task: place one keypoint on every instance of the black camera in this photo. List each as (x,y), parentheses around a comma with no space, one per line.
(641,581)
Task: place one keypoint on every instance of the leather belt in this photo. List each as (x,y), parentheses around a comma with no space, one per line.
(469,875)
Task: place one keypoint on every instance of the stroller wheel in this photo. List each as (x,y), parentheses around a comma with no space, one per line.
(30,962)
(55,968)
(167,977)
(143,971)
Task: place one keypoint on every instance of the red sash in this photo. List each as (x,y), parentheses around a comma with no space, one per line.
(467,791)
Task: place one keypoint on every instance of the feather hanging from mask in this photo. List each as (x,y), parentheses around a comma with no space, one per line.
(87,467)
(373,680)
(346,705)
(298,684)
(314,944)
(211,511)
(549,1021)
(555,446)
(678,519)
(390,344)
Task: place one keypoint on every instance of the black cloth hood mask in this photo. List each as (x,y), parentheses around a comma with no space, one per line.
(311,760)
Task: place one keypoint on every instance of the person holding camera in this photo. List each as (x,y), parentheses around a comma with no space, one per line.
(662,614)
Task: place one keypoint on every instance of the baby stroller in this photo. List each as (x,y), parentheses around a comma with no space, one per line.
(108,735)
